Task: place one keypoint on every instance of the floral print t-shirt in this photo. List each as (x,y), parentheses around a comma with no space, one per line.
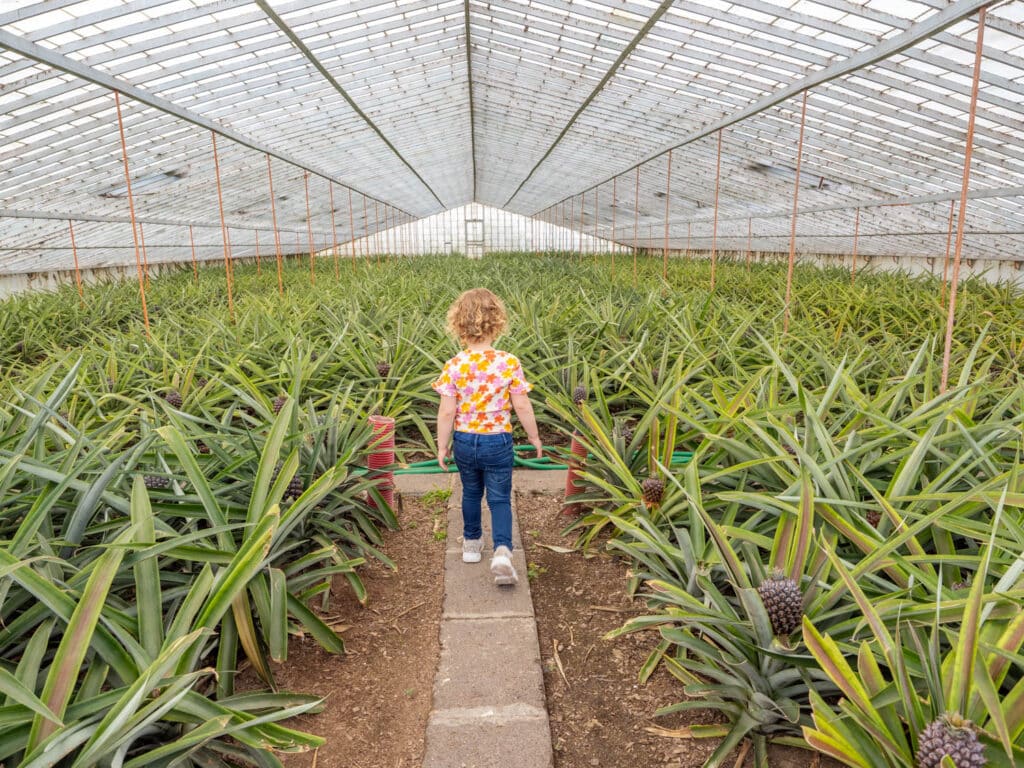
(482,383)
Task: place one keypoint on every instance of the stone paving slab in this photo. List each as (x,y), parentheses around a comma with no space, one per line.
(489,738)
(470,591)
(490,680)
(489,708)
(417,485)
(546,481)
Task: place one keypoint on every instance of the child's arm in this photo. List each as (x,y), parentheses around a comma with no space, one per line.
(445,421)
(524,410)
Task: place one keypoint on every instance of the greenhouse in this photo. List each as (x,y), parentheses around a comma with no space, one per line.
(548,383)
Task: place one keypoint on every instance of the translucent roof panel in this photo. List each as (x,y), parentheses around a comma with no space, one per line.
(556,109)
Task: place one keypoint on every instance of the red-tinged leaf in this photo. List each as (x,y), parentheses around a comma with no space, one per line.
(77,639)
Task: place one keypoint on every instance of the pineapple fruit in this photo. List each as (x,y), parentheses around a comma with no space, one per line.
(950,735)
(783,601)
(652,489)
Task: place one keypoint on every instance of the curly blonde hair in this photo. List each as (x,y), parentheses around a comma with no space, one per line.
(477,316)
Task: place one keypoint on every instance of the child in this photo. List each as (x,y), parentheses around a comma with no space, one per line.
(476,388)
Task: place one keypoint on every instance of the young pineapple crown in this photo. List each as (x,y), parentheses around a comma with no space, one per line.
(950,735)
(579,395)
(783,601)
(154,482)
(653,489)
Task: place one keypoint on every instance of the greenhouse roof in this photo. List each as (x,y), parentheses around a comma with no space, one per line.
(545,108)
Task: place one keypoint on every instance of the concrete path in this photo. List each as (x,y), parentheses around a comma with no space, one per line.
(488,705)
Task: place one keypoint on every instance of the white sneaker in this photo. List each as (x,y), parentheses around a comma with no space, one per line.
(501,567)
(471,549)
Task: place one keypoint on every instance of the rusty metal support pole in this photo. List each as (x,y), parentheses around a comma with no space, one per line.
(583,202)
(365,246)
(277,232)
(949,242)
(376,230)
(792,230)
(595,225)
(614,243)
(668,193)
(351,230)
(962,214)
(223,230)
(131,211)
(636,221)
(309,232)
(259,266)
(856,239)
(192,242)
(74,255)
(750,233)
(334,229)
(714,228)
(572,220)
(145,254)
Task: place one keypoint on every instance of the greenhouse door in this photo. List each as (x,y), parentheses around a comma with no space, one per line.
(474,238)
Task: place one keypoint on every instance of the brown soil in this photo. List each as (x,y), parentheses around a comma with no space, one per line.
(600,714)
(377,696)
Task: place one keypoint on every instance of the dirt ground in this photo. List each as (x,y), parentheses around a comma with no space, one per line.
(378,695)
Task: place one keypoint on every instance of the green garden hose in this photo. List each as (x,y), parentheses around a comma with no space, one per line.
(430,466)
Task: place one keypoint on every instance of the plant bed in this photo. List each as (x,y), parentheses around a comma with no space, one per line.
(600,714)
(377,694)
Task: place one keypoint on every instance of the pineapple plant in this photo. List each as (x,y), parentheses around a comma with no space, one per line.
(783,601)
(950,735)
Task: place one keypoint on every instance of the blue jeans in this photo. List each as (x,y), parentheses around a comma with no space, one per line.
(485,464)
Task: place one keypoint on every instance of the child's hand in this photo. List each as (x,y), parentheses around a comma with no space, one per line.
(442,456)
(535,442)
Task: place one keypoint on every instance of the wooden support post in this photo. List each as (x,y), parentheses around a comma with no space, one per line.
(131,211)
(792,231)
(962,214)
